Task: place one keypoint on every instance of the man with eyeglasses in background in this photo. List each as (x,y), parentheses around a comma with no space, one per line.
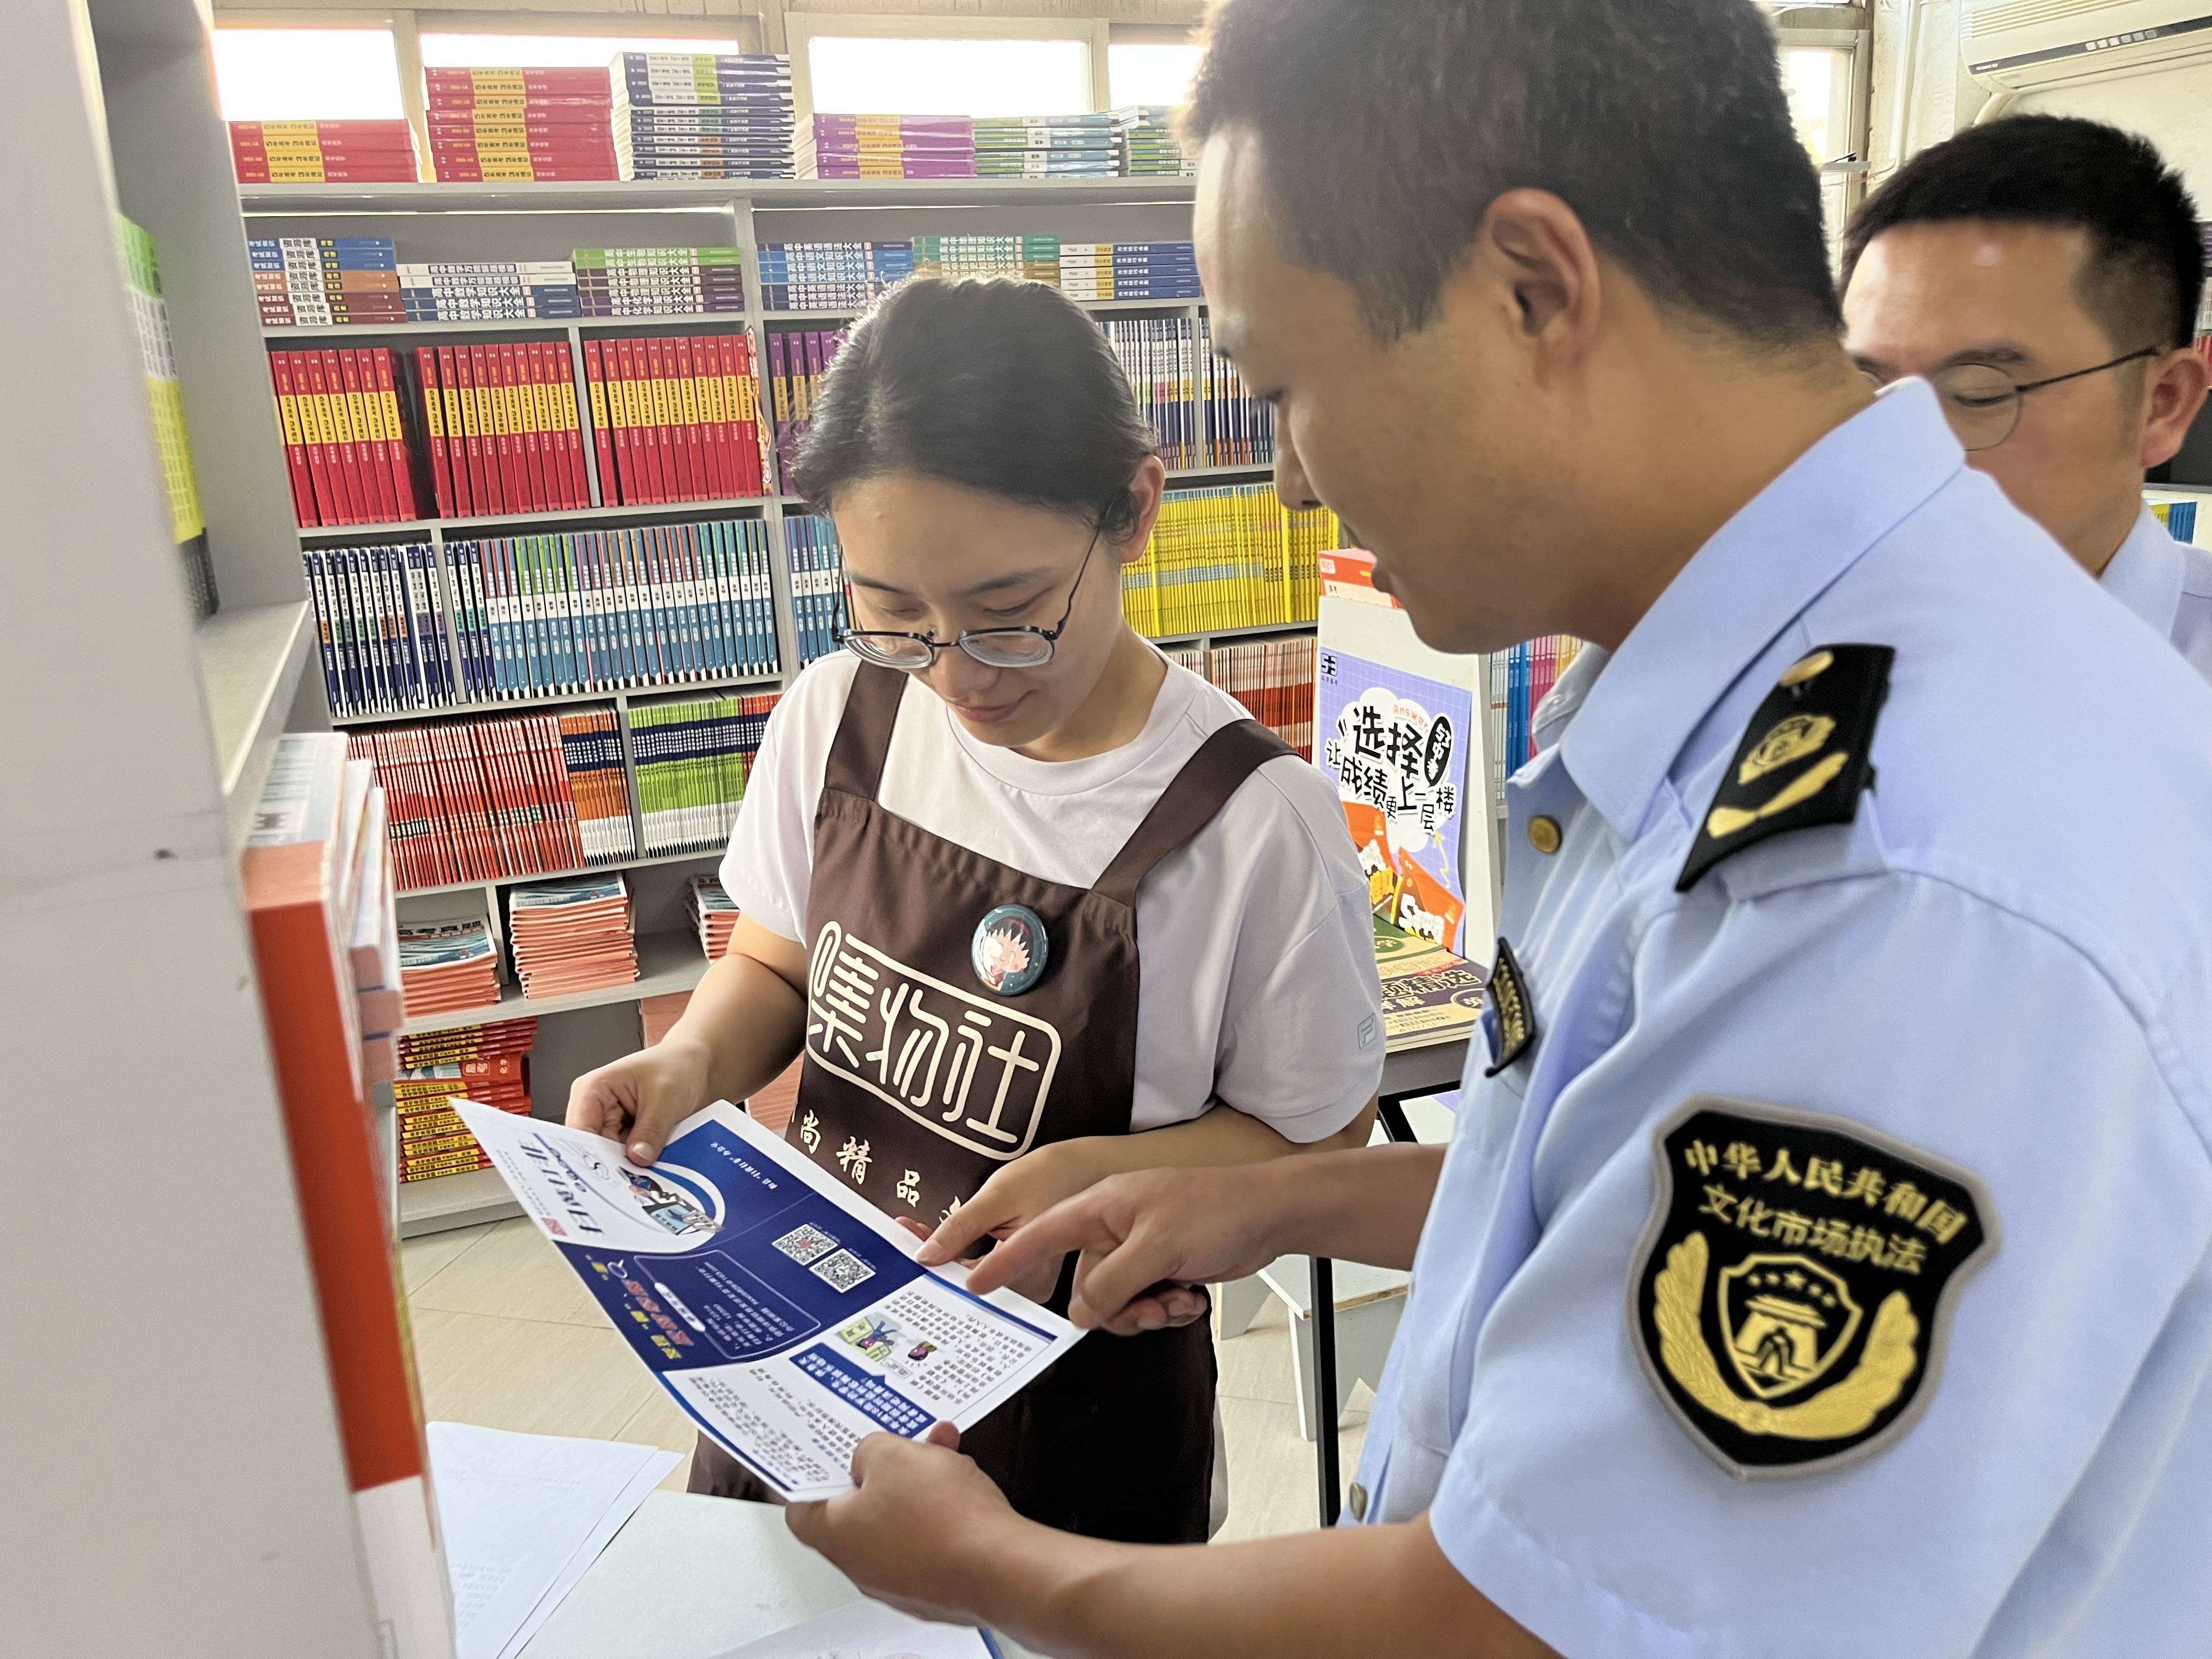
(2044,274)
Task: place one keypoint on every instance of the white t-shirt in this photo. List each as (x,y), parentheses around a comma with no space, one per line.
(1259,983)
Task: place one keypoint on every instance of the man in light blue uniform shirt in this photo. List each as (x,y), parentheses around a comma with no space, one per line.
(1821,1264)
(2045,273)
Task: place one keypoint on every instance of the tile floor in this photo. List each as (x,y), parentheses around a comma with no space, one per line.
(506,1337)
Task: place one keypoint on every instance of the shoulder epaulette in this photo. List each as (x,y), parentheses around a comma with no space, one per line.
(1805,759)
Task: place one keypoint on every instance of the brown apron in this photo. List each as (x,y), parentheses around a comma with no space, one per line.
(920,1082)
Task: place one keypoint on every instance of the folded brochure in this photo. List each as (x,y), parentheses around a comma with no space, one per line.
(786,1315)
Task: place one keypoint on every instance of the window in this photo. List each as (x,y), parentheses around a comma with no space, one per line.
(1819,81)
(872,75)
(1149,72)
(308,74)
(551,50)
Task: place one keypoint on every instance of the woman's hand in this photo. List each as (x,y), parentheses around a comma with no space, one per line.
(1019,1193)
(639,1098)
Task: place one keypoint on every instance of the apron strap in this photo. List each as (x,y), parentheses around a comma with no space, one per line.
(1187,804)
(864,735)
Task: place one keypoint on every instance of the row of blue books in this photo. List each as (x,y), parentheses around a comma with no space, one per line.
(817,582)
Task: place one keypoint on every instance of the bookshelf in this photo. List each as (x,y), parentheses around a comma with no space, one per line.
(458,221)
(135,1020)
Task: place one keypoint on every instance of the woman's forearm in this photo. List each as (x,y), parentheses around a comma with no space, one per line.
(1222,1135)
(747,1015)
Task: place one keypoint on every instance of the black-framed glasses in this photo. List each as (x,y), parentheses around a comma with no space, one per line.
(1982,403)
(1028,646)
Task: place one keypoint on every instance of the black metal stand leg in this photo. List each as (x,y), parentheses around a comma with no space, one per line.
(1324,1388)
(1392,1111)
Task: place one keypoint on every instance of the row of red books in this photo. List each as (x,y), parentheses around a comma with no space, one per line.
(504,432)
(322,152)
(675,418)
(487,1064)
(344,415)
(477,800)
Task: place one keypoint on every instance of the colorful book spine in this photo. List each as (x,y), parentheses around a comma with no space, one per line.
(520,125)
(1160,357)
(353,448)
(692,759)
(323,152)
(502,428)
(817,583)
(799,364)
(660,281)
(680,416)
(1227,558)
(1274,679)
(311,281)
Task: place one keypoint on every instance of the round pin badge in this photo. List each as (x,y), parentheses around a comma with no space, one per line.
(1011,949)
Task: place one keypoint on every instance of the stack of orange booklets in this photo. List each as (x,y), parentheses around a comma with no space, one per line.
(300,875)
(572,935)
(713,912)
(447,966)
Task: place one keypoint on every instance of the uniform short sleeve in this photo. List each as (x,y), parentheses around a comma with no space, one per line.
(1910,1014)
(768,868)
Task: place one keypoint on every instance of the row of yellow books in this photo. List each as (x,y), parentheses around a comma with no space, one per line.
(1227,558)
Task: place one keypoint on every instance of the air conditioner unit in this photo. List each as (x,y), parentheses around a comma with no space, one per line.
(2025,46)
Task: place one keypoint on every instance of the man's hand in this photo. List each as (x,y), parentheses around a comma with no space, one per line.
(639,1098)
(1015,1195)
(1146,1239)
(915,1525)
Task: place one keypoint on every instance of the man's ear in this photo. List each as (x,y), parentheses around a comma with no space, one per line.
(1538,244)
(2176,395)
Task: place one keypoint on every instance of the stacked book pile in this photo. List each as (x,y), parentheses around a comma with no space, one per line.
(692,760)
(323,152)
(1160,357)
(574,935)
(1036,258)
(446,966)
(484,799)
(660,281)
(1156,270)
(345,413)
(712,913)
(307,282)
(831,276)
(1147,147)
(674,418)
(489,290)
(677,115)
(1086,271)
(1274,679)
(797,362)
(1227,558)
(817,582)
(589,610)
(887,147)
(489,1064)
(655,1015)
(1240,429)
(503,429)
(516,125)
(142,283)
(1046,147)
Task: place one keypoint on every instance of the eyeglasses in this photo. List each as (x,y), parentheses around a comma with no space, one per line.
(1982,403)
(995,648)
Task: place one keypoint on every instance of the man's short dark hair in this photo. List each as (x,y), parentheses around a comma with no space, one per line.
(1388,127)
(2144,277)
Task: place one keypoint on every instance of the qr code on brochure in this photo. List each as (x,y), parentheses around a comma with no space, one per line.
(805,1243)
(842,1271)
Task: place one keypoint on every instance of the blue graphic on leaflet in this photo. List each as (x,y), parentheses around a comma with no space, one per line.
(685,1308)
(874,1399)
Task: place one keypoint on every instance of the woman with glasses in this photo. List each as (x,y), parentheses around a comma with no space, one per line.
(1036,905)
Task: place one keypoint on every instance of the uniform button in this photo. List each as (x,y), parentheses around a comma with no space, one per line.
(1358,1502)
(1544,836)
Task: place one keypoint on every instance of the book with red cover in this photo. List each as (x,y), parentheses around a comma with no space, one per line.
(390,382)
(296,874)
(371,450)
(603,430)
(434,430)
(295,446)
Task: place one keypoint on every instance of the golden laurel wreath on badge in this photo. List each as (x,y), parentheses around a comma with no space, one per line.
(1790,1291)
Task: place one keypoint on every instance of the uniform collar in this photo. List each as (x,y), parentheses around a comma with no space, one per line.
(1742,588)
(2145,575)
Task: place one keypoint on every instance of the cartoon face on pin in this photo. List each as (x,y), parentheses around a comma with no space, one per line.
(1009,950)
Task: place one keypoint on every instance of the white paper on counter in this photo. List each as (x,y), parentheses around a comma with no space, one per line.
(868,1630)
(523,1515)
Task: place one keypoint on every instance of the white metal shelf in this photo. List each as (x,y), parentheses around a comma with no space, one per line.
(569,516)
(445,1202)
(498,325)
(554,700)
(251,660)
(665,962)
(1100,307)
(646,862)
(773,195)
